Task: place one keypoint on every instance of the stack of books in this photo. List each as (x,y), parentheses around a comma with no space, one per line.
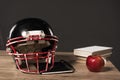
(83,53)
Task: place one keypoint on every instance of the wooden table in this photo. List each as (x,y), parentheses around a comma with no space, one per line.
(8,70)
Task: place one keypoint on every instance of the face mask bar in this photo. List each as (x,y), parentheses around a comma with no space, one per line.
(34,56)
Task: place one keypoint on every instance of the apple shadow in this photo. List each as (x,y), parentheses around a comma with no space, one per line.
(105,69)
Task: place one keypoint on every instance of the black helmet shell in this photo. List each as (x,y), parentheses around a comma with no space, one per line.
(30,24)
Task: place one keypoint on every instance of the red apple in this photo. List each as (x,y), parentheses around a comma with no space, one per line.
(95,63)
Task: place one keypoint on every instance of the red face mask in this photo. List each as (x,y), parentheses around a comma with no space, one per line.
(34,50)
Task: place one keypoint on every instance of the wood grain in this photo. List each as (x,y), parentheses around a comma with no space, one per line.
(8,70)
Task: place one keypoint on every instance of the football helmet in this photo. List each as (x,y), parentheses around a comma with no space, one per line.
(32,44)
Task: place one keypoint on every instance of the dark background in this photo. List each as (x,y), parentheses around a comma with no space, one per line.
(77,23)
